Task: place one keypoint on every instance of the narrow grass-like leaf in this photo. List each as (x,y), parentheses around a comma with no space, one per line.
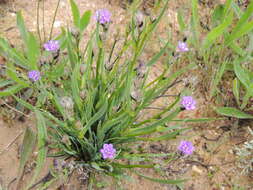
(4,83)
(12,73)
(158,55)
(236,90)
(242,27)
(151,128)
(216,80)
(12,54)
(42,149)
(180,21)
(132,166)
(164,181)
(233,112)
(27,148)
(11,90)
(21,27)
(96,117)
(75,13)
(33,51)
(195,20)
(24,103)
(226,9)
(217,31)
(75,87)
(85,19)
(241,73)
(167,136)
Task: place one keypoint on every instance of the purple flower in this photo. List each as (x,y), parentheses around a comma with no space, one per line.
(186,147)
(34,75)
(52,45)
(188,102)
(182,47)
(108,151)
(103,16)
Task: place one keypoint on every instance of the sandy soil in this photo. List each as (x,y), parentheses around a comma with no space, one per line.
(211,167)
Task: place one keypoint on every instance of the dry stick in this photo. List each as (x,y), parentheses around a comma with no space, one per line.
(56,10)
(14,109)
(11,143)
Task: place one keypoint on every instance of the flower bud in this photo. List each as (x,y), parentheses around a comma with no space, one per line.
(139,19)
(75,32)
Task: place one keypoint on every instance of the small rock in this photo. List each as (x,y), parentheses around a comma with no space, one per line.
(197,169)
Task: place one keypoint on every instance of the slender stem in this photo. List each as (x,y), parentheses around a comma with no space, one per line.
(43,21)
(154,108)
(11,143)
(14,109)
(55,13)
(38,20)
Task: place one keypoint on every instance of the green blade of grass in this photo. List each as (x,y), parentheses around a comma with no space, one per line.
(85,19)
(21,27)
(151,128)
(216,80)
(12,73)
(236,90)
(164,181)
(217,31)
(233,112)
(26,150)
(11,90)
(195,21)
(75,13)
(33,51)
(42,149)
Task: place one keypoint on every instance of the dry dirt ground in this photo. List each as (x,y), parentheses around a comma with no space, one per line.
(211,167)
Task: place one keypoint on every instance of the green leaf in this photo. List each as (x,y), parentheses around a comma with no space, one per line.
(26,151)
(195,20)
(75,87)
(242,27)
(42,150)
(158,55)
(164,181)
(33,51)
(132,166)
(217,31)
(180,20)
(4,83)
(226,9)
(217,78)
(12,54)
(95,118)
(21,27)
(75,13)
(217,14)
(237,49)
(236,90)
(85,19)
(11,90)
(151,128)
(24,103)
(233,112)
(168,136)
(241,73)
(12,73)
